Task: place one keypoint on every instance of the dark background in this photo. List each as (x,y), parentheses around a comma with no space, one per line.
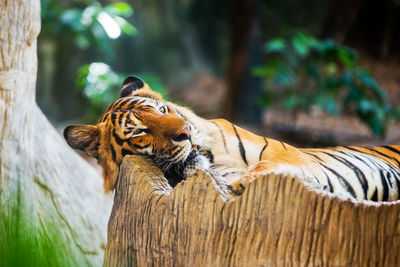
(202,53)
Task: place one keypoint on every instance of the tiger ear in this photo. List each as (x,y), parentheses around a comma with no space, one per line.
(133,86)
(83,137)
(130,84)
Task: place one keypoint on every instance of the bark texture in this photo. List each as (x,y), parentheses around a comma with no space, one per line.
(242,87)
(278,221)
(43,184)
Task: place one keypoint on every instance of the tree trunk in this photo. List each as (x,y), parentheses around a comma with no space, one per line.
(245,52)
(277,221)
(340,18)
(52,209)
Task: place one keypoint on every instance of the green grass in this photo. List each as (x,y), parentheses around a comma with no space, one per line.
(29,241)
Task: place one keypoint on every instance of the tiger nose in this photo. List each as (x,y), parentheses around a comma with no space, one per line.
(182,135)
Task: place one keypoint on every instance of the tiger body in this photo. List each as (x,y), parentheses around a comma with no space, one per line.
(370,173)
(179,141)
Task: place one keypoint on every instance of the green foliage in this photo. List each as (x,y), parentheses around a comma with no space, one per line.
(302,71)
(89,23)
(100,84)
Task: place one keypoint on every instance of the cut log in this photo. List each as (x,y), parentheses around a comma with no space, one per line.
(277,221)
(52,208)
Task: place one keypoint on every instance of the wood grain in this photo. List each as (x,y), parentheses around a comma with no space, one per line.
(276,222)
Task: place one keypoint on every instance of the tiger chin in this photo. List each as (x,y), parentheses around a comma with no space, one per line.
(141,122)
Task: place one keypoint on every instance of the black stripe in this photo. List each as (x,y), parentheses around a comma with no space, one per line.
(396,178)
(357,157)
(117,139)
(208,154)
(283,144)
(372,159)
(315,156)
(321,161)
(140,147)
(264,147)
(125,152)
(394,172)
(375,167)
(330,185)
(342,181)
(104,117)
(359,174)
(222,135)
(384,155)
(373,150)
(392,149)
(354,149)
(241,148)
(375,195)
(133,103)
(154,149)
(303,174)
(115,104)
(328,179)
(138,116)
(378,167)
(229,173)
(125,101)
(173,154)
(121,115)
(114,155)
(109,107)
(180,114)
(128,130)
(216,165)
(385,196)
(96,146)
(388,176)
(113,116)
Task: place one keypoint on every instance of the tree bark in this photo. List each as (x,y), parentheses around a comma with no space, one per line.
(49,197)
(340,18)
(277,221)
(245,52)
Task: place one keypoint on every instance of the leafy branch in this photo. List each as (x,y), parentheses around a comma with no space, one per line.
(303,71)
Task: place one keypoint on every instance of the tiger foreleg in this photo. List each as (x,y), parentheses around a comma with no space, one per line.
(262,167)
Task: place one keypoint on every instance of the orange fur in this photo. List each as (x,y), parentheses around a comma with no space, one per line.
(365,173)
(108,151)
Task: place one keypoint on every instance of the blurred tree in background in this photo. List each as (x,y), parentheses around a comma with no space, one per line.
(72,34)
(170,43)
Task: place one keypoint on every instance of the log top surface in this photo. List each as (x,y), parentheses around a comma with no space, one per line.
(277,221)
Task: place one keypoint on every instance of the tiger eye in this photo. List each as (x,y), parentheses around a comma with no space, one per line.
(139,131)
(163,109)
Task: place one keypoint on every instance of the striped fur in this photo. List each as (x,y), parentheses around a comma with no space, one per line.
(179,142)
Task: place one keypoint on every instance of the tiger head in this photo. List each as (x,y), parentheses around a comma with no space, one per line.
(139,123)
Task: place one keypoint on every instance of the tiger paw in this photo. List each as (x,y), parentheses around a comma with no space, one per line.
(237,188)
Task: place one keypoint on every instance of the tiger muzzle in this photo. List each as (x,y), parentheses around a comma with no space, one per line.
(182,135)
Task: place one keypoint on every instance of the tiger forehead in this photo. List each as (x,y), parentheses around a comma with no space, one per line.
(129,104)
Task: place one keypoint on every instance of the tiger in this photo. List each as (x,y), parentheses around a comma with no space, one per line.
(179,142)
